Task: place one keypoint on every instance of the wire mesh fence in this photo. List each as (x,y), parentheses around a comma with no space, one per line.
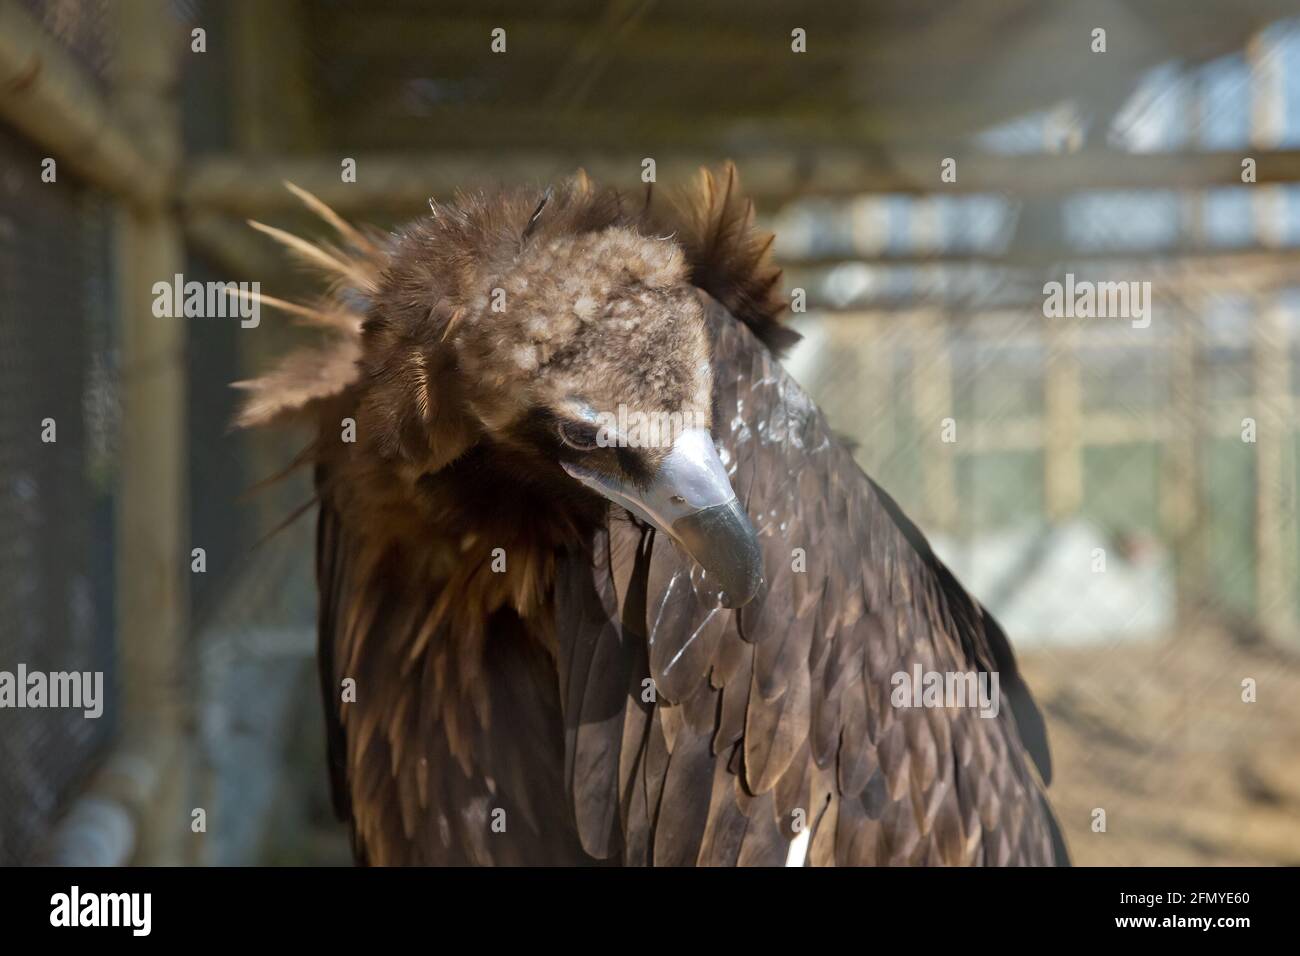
(1150,435)
(57,424)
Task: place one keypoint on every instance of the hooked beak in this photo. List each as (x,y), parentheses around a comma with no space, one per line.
(692,501)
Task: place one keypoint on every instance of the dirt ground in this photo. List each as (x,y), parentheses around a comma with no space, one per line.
(1157,735)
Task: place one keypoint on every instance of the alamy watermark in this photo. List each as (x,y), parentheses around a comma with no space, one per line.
(133,911)
(78,690)
(629,428)
(922,688)
(1098,300)
(208,300)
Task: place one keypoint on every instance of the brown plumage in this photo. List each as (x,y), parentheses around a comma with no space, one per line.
(527,656)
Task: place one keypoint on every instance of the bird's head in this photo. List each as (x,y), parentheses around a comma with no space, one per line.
(555,343)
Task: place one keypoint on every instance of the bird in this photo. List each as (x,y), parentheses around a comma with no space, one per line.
(546,640)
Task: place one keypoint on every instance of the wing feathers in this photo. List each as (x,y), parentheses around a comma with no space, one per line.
(780,716)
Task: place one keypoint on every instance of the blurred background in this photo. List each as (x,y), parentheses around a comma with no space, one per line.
(1122,497)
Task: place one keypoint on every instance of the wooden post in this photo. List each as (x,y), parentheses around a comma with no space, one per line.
(1275,477)
(1062,423)
(932,399)
(272,74)
(1182,511)
(152,550)
(272,112)
(852,387)
(1182,514)
(876,367)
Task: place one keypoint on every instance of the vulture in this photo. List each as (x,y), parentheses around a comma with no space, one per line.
(551,636)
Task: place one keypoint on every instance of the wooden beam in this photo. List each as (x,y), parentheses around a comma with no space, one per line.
(1182,258)
(878,38)
(1099,430)
(867,76)
(414,35)
(47,97)
(821,119)
(246,186)
(967,291)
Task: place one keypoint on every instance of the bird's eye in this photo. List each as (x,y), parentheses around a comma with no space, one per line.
(580,436)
